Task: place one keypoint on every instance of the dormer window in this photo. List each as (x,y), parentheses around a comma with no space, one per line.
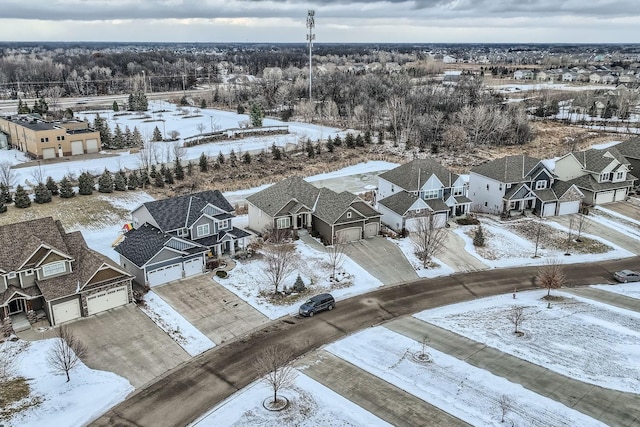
(540,185)
(53,268)
(202,230)
(183,232)
(620,176)
(11,275)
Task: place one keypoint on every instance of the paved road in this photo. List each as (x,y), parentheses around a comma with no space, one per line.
(377,396)
(614,408)
(616,237)
(376,255)
(191,389)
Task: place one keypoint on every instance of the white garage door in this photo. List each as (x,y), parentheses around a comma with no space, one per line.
(92,146)
(48,153)
(621,194)
(76,148)
(192,267)
(66,311)
(604,197)
(371,229)
(348,235)
(440,220)
(569,207)
(164,274)
(549,209)
(108,299)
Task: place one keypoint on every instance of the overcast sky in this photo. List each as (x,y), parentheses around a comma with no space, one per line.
(419,21)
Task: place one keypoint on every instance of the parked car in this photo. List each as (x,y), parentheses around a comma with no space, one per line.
(317,303)
(625,276)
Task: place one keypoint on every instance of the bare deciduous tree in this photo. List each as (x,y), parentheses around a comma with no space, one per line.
(336,256)
(38,175)
(516,316)
(550,276)
(7,177)
(581,225)
(504,404)
(280,262)
(273,234)
(146,154)
(428,240)
(276,362)
(66,353)
(201,127)
(178,150)
(174,134)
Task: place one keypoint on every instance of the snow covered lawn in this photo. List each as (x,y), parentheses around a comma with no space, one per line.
(311,404)
(462,390)
(579,338)
(631,290)
(408,249)
(177,327)
(89,394)
(248,281)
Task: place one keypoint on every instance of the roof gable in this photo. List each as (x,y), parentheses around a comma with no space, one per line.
(510,169)
(178,212)
(413,175)
(275,198)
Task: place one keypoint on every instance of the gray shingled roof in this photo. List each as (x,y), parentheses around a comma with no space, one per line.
(630,148)
(588,183)
(593,160)
(273,199)
(142,244)
(437,205)
(399,202)
(182,211)
(331,206)
(407,176)
(508,169)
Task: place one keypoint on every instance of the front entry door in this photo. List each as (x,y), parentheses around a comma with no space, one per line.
(16,306)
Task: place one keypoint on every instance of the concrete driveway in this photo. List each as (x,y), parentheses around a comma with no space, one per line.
(125,341)
(456,257)
(207,305)
(382,259)
(630,208)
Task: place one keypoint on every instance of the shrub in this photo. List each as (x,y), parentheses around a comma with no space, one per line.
(478,237)
(221,274)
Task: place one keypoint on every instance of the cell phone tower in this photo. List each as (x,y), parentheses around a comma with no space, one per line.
(311,24)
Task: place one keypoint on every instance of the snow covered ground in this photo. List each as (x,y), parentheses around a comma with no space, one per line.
(86,396)
(248,281)
(311,404)
(579,338)
(177,327)
(408,249)
(627,289)
(462,390)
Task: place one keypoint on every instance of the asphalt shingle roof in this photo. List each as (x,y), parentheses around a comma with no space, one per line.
(407,176)
(182,211)
(399,202)
(143,243)
(508,169)
(630,148)
(273,199)
(331,206)
(588,183)
(594,160)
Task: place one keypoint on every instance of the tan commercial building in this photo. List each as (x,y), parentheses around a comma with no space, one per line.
(42,139)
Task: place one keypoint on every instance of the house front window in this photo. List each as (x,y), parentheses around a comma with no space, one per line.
(540,185)
(283,223)
(53,268)
(202,230)
(223,224)
(605,177)
(430,194)
(619,176)
(458,191)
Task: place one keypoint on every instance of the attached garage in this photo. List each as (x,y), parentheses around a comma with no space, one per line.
(371,229)
(92,146)
(106,300)
(348,234)
(66,311)
(548,209)
(604,197)
(48,153)
(621,194)
(440,220)
(193,267)
(76,148)
(567,208)
(164,274)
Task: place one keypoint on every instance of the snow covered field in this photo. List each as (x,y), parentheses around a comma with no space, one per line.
(248,281)
(579,338)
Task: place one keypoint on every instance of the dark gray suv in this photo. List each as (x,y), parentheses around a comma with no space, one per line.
(317,303)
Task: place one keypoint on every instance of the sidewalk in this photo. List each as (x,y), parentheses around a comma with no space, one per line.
(611,298)
(377,396)
(614,408)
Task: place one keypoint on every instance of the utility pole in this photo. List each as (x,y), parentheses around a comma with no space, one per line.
(311,24)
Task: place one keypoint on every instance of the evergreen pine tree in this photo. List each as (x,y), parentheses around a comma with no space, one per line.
(350,141)
(66,189)
(52,186)
(115,107)
(367,137)
(98,124)
(105,135)
(3,207)
(131,103)
(153,173)
(478,237)
(86,184)
(23,108)
(338,141)
(381,136)
(246,158)
(329,145)
(120,181)
(311,153)
(203,162)
(157,136)
(233,159)
(127,137)
(359,141)
(318,148)
(158,181)
(203,104)
(256,116)
(168,176)
(144,178)
(136,138)
(163,170)
(179,170)
(105,182)
(275,152)
(221,158)
(42,194)
(190,168)
(134,182)
(5,194)
(118,137)
(21,198)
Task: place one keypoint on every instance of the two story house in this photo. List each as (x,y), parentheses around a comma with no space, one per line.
(601,174)
(47,272)
(514,184)
(420,188)
(172,238)
(296,204)
(630,149)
